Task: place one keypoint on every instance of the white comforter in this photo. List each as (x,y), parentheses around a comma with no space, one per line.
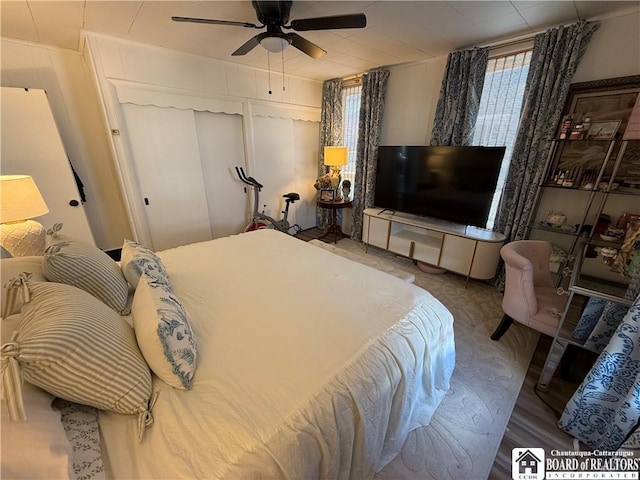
(309,366)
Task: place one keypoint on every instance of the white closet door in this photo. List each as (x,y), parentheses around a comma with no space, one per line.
(221,146)
(31,145)
(285,161)
(164,148)
(305,167)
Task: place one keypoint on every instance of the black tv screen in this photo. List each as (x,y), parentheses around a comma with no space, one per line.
(450,183)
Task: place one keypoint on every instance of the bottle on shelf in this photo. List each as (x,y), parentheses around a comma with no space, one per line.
(565,129)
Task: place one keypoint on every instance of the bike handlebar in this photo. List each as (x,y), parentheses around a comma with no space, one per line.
(248,180)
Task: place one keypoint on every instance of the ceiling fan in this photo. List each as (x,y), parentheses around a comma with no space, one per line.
(274,16)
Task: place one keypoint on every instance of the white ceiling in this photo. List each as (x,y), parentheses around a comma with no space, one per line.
(396,32)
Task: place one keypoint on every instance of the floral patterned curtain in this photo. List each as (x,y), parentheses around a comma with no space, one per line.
(556,55)
(374,88)
(604,412)
(459,101)
(330,131)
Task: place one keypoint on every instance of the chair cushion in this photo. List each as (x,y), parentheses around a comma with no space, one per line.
(550,307)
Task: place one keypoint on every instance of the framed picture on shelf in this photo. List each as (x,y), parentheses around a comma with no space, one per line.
(327,195)
(603,130)
(609,101)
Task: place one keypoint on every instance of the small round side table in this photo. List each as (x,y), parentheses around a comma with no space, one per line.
(334,206)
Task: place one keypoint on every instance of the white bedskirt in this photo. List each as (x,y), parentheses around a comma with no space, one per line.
(309,366)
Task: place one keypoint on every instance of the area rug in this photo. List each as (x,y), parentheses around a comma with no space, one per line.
(465,432)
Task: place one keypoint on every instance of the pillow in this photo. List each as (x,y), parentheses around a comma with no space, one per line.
(37,447)
(75,347)
(87,267)
(41,436)
(12,267)
(137,259)
(163,332)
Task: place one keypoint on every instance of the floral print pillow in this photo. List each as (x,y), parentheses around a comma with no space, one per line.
(163,332)
(137,259)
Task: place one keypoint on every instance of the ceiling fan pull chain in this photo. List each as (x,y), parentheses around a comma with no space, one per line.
(269,70)
(282,58)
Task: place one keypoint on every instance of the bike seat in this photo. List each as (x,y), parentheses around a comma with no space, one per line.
(292,197)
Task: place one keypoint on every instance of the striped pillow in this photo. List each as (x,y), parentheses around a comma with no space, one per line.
(75,347)
(137,259)
(89,268)
(10,268)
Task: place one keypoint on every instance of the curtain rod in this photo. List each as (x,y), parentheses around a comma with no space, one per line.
(353,78)
(528,38)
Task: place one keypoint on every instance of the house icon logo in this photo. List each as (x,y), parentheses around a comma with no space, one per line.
(527,464)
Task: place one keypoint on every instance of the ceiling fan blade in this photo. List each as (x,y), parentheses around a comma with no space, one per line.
(355,20)
(247,46)
(305,45)
(215,22)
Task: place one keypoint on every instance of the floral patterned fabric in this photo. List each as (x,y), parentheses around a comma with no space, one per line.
(605,410)
(600,318)
(374,89)
(137,260)
(80,423)
(330,133)
(460,94)
(163,332)
(556,55)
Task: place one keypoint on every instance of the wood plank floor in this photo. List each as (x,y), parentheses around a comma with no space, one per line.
(534,417)
(535,414)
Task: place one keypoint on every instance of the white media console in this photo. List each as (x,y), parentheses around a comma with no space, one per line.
(470,251)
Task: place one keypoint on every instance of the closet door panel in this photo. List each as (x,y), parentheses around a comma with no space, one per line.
(286,161)
(305,167)
(273,164)
(165,152)
(220,141)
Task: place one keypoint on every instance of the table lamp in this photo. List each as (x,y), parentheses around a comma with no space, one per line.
(20,201)
(335,157)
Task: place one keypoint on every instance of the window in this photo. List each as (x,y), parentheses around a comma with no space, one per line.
(499,115)
(351,93)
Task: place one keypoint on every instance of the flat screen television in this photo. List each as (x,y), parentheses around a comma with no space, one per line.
(451,183)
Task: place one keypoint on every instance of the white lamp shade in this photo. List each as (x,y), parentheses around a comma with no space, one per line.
(20,199)
(274,44)
(336,156)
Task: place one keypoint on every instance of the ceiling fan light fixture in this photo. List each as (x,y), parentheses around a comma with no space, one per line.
(274,44)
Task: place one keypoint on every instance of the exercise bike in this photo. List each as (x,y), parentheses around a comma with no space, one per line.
(259,219)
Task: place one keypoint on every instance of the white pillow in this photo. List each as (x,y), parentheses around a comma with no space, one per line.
(75,347)
(163,332)
(87,267)
(37,447)
(137,259)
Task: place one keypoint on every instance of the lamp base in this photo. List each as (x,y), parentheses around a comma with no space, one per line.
(22,239)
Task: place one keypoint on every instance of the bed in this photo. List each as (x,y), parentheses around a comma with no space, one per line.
(309,365)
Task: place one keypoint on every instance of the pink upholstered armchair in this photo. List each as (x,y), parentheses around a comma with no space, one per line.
(530,296)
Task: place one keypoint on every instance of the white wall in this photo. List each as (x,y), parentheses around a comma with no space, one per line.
(413,90)
(129,73)
(411,100)
(73,99)
(614,50)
